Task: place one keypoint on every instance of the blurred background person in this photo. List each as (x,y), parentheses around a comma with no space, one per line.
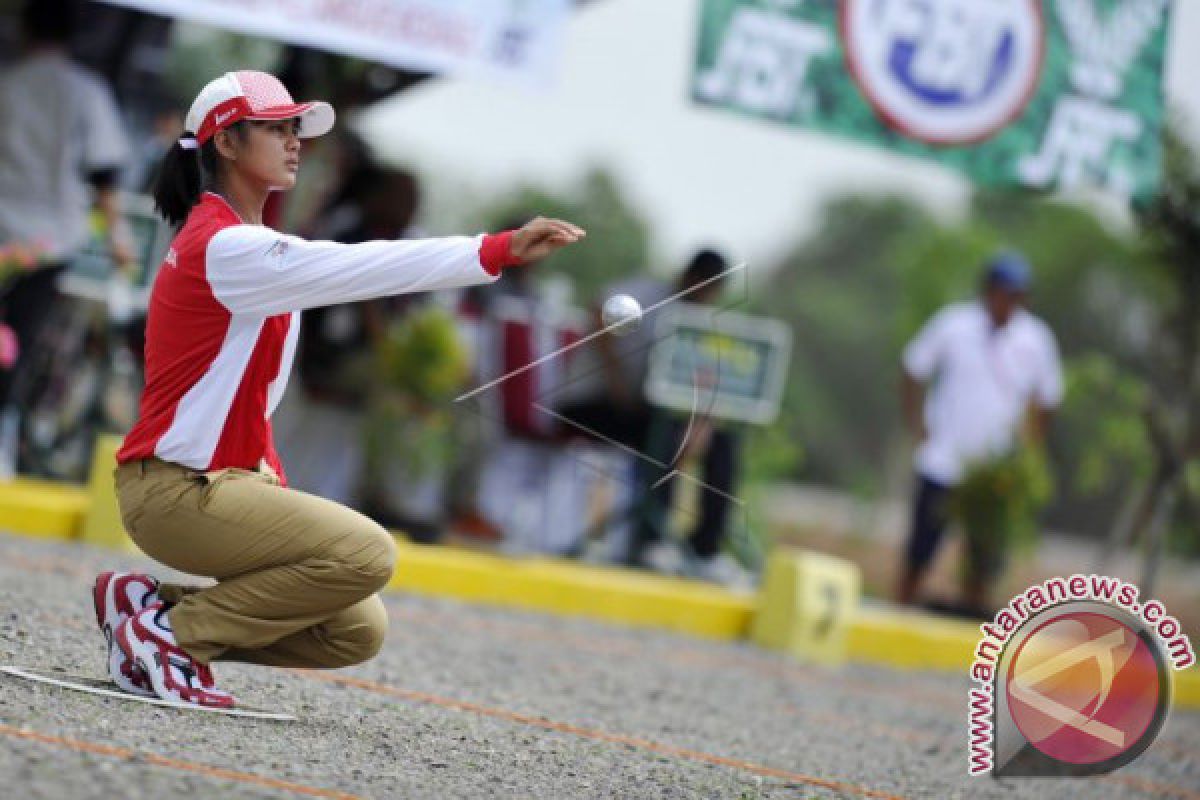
(619,413)
(972,376)
(614,408)
(671,439)
(62,147)
(165,128)
(321,423)
(529,487)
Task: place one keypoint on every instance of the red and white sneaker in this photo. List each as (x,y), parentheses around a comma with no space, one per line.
(147,640)
(117,596)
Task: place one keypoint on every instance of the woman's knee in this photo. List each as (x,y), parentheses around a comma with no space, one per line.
(363,639)
(373,557)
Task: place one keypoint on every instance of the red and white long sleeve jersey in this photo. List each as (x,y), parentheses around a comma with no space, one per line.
(224,318)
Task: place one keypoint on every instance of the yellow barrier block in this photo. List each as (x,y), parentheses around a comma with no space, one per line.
(42,509)
(1187,688)
(572,589)
(102,524)
(806,604)
(912,640)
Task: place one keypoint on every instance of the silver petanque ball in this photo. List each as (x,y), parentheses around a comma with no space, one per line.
(621,314)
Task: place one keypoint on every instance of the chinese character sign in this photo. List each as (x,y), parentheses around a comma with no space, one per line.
(1036,93)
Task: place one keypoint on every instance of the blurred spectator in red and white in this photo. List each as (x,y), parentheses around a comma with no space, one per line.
(529,488)
(319,424)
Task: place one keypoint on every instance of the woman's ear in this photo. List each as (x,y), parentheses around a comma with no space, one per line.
(225,144)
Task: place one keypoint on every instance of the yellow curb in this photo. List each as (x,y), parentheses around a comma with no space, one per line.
(1187,688)
(916,640)
(911,640)
(567,588)
(42,509)
(894,638)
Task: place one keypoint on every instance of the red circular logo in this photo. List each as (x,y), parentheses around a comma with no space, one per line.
(1083,688)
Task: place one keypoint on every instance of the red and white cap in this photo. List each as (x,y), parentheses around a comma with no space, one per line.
(247,94)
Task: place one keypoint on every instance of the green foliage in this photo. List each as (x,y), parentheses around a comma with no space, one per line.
(998,501)
(1171,226)
(769,455)
(937,266)
(1102,414)
(618,241)
(766,456)
(837,291)
(878,268)
(422,363)
(1093,285)
(423,357)
(407,436)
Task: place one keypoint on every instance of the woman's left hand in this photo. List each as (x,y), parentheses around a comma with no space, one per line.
(541,236)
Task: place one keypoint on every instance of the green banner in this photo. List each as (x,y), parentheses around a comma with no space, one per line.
(1037,93)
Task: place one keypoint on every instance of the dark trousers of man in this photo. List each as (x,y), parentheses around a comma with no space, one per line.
(604,421)
(25,307)
(930,518)
(654,489)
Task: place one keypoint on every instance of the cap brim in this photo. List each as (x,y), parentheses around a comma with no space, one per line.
(316,118)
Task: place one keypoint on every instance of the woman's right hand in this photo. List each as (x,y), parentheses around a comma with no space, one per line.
(540,237)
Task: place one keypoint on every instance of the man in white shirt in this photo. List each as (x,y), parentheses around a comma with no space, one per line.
(989,366)
(61,149)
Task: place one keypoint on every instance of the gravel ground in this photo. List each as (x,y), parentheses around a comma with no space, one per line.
(474,702)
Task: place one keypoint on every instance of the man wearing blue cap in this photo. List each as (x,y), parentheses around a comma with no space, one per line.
(988,365)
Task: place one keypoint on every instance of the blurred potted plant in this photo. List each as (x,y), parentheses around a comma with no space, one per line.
(999,499)
(421,364)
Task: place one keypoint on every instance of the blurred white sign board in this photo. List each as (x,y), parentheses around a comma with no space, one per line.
(518,40)
(719,363)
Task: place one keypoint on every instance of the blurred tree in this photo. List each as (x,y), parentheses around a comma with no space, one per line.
(1171,226)
(878,268)
(936,266)
(1093,284)
(618,241)
(1100,446)
(838,291)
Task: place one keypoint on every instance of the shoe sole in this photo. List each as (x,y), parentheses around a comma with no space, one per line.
(100,589)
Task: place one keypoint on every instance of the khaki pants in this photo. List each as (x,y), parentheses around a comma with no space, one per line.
(297,575)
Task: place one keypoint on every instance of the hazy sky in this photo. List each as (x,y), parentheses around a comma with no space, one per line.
(701,176)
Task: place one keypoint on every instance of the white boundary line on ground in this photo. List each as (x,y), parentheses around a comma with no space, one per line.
(154,701)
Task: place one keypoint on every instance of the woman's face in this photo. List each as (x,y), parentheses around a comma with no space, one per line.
(268,153)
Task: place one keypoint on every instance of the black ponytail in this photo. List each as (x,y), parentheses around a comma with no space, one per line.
(179,182)
(184,175)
